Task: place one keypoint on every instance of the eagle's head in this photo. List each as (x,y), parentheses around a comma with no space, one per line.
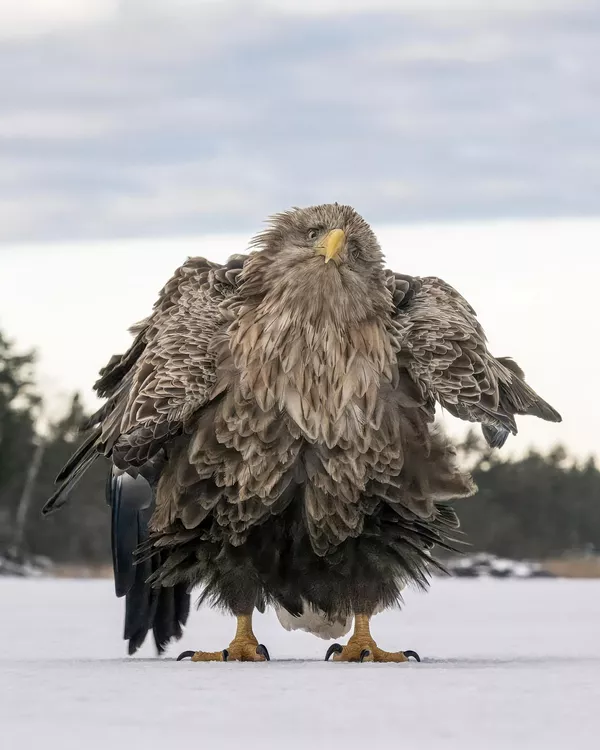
(324,262)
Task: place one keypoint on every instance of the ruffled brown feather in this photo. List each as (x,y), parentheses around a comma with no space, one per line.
(444,348)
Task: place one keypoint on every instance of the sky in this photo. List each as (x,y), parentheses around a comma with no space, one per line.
(134,133)
(146,118)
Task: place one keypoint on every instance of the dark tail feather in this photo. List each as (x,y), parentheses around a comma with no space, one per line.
(171,615)
(131,507)
(162,610)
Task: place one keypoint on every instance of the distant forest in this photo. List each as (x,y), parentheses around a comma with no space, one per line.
(538,507)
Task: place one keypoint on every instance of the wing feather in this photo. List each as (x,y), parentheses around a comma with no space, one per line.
(165,376)
(444,348)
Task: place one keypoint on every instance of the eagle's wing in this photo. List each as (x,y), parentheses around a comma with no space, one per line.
(166,375)
(444,349)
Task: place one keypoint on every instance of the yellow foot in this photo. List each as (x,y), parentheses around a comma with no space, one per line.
(240,649)
(362,647)
(244,647)
(365,649)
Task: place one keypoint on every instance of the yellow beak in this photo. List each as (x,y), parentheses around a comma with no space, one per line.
(331,245)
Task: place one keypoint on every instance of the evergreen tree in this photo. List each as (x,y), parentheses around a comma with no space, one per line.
(19,403)
(80,532)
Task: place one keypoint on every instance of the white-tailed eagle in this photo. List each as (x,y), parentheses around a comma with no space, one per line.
(280,409)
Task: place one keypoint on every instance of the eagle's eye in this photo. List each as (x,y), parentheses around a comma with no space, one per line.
(312,233)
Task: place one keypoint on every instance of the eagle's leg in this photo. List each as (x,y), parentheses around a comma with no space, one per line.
(362,647)
(244,646)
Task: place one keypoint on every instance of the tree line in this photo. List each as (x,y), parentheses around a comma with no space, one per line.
(535,507)
(80,532)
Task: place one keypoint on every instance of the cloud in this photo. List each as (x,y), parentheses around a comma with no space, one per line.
(35,17)
(43,125)
(446,9)
(155,117)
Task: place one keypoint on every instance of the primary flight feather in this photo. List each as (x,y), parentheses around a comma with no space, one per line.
(280,408)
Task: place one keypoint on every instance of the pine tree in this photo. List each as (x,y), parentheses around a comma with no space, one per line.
(19,403)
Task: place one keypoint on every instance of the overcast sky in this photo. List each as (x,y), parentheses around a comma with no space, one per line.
(161,117)
(124,122)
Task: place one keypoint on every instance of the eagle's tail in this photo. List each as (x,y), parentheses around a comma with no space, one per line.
(163,610)
(315,622)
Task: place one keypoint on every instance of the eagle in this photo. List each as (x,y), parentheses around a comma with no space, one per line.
(272,438)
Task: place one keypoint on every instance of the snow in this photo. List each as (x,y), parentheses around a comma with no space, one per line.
(506,664)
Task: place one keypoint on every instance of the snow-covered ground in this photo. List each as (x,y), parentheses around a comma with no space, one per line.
(506,664)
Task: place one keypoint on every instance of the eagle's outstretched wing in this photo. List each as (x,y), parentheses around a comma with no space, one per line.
(444,349)
(166,375)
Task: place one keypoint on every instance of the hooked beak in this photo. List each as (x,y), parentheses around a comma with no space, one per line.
(331,245)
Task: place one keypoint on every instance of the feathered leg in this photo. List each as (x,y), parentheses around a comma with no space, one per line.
(362,647)
(244,647)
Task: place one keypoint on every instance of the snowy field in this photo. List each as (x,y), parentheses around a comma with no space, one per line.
(506,664)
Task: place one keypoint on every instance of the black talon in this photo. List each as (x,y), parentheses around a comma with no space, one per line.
(414,654)
(333,649)
(225,654)
(363,654)
(262,651)
(185,655)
